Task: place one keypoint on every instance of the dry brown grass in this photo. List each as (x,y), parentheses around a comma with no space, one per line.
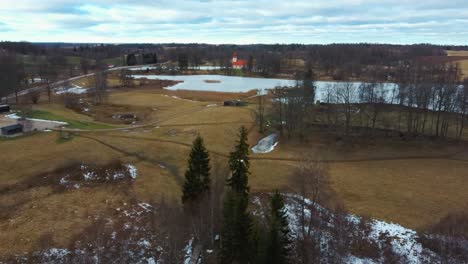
(215,114)
(26,156)
(206,96)
(38,210)
(60,110)
(457,53)
(64,215)
(414,193)
(464,67)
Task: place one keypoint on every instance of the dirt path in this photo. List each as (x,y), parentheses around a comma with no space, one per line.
(450,156)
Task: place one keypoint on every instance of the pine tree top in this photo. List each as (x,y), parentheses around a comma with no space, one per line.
(239,164)
(197,175)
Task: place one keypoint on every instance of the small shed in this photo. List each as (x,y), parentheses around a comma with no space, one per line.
(12,129)
(4,108)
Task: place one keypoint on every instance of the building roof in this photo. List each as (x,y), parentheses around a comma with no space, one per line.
(11,127)
(239,63)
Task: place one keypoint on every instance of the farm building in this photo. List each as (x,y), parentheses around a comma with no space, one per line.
(12,130)
(238,64)
(4,108)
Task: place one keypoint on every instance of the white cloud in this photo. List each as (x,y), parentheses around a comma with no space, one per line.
(239,21)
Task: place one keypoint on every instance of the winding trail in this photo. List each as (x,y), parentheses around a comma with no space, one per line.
(449,156)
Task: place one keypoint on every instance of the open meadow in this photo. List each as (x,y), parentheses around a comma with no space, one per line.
(412,183)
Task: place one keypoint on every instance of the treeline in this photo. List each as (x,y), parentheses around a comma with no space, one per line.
(429,100)
(336,61)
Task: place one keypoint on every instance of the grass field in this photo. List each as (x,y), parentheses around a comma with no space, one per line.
(40,114)
(405,182)
(462,62)
(414,193)
(457,53)
(464,67)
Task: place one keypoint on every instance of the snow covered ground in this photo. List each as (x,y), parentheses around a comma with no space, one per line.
(131,239)
(404,242)
(266,144)
(75,89)
(87,176)
(33,124)
(16,116)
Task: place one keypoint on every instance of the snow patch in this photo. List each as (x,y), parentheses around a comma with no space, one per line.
(71,90)
(404,241)
(355,260)
(56,253)
(188,252)
(16,116)
(266,144)
(132,170)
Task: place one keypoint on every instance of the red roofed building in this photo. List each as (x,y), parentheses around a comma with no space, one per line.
(238,64)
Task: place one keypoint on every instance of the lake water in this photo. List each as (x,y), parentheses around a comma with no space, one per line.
(221,83)
(202,68)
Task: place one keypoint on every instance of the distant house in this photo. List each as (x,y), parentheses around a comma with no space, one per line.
(12,129)
(238,64)
(4,108)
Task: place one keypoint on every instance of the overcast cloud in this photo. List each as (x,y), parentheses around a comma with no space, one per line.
(235,21)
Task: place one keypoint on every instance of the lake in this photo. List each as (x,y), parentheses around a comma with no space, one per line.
(202,68)
(222,83)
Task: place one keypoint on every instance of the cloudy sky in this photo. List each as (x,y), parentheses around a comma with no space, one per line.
(235,21)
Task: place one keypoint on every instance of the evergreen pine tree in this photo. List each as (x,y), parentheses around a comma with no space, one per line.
(235,239)
(279,240)
(239,164)
(197,176)
(235,230)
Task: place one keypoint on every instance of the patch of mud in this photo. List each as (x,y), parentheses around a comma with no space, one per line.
(212,81)
(116,114)
(76,175)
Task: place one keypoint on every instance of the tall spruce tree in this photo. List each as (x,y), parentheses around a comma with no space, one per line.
(197,176)
(235,233)
(235,239)
(239,164)
(279,237)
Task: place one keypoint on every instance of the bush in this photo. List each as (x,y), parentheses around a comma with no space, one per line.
(34,96)
(71,101)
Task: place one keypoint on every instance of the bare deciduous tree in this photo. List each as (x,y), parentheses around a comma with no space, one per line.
(126,79)
(261,110)
(346,98)
(100,83)
(34,96)
(310,180)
